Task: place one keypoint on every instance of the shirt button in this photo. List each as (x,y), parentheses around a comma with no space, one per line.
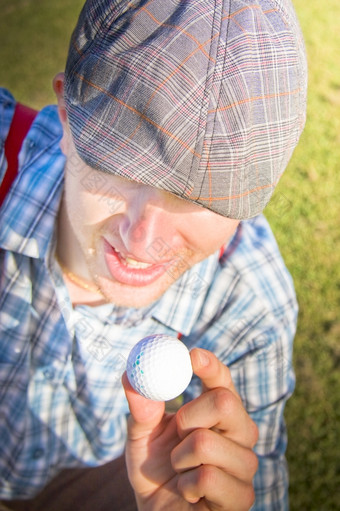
(49,374)
(38,453)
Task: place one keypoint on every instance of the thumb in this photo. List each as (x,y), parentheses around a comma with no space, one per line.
(145,413)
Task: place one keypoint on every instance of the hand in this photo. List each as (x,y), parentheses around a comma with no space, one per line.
(198,459)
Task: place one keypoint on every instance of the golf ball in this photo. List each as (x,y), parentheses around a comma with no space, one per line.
(159,367)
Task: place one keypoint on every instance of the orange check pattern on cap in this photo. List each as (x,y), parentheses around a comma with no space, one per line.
(205,100)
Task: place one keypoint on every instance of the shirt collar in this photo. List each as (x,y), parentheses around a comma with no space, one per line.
(29,211)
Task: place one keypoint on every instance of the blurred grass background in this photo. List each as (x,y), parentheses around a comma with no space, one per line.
(304,214)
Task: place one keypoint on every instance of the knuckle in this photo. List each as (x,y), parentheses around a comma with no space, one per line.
(248,495)
(181,419)
(254,433)
(252,463)
(174,460)
(226,375)
(224,400)
(206,478)
(202,443)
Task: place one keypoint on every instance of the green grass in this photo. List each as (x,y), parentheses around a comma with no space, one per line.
(34,38)
(308,232)
(304,214)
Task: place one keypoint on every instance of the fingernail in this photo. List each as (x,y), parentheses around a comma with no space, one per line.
(192,500)
(203,358)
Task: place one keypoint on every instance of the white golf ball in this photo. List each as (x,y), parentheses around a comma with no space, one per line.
(159,367)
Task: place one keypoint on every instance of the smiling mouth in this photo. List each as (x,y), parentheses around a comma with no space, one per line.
(129,271)
(132,263)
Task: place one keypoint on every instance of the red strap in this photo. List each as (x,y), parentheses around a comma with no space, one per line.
(21,122)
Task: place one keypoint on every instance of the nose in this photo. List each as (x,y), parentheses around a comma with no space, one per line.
(149,229)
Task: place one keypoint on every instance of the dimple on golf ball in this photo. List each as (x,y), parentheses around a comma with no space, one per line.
(159,367)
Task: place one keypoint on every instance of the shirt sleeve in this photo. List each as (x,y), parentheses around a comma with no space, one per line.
(265,380)
(252,332)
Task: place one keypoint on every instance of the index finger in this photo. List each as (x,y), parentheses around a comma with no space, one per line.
(211,371)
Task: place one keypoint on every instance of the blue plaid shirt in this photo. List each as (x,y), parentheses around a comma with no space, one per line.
(61,399)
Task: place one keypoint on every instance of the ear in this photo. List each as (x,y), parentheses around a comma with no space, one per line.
(58,87)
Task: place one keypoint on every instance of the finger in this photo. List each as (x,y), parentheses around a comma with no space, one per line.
(145,413)
(221,410)
(212,372)
(219,489)
(206,447)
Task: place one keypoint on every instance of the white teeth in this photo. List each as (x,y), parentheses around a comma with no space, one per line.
(132,263)
(135,264)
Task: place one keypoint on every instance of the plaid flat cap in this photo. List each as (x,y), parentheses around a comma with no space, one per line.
(205,99)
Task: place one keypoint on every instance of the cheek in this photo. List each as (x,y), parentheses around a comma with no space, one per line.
(92,210)
(87,209)
(211,233)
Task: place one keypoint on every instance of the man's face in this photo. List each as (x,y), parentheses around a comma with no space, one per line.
(132,240)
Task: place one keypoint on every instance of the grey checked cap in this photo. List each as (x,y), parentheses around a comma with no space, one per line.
(205,99)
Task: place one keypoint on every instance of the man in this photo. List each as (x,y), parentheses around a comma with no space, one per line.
(138,211)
